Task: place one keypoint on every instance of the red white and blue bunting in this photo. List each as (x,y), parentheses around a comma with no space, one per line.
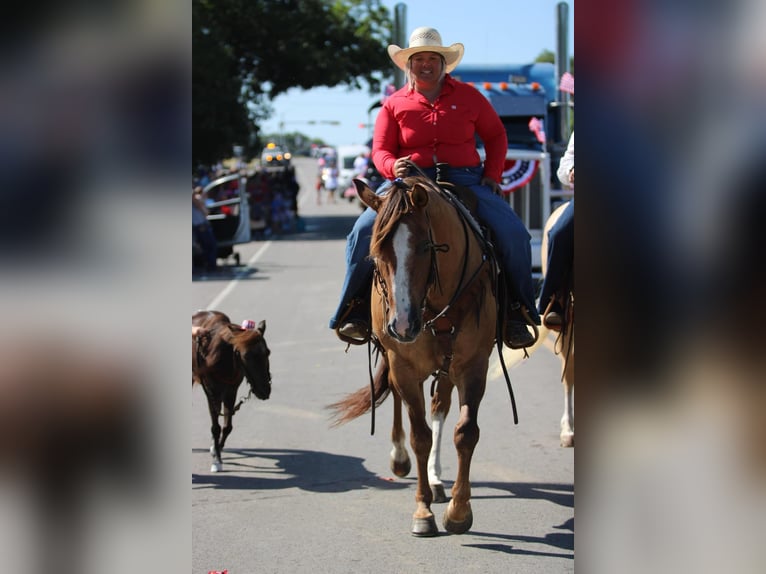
(517,173)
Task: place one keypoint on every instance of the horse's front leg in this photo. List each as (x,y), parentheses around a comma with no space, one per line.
(458,516)
(228,416)
(423,521)
(440,405)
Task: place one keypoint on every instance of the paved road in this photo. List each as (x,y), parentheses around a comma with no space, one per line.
(299,496)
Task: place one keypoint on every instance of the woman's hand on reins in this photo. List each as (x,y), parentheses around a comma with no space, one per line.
(401,166)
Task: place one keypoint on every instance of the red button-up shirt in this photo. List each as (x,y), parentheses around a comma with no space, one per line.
(443,131)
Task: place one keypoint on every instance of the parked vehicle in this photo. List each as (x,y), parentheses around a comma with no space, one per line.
(346,154)
(228,213)
(275,156)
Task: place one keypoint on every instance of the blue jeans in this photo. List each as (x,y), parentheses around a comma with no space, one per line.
(511,238)
(560,257)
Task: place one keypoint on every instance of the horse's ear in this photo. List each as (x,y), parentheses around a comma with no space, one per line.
(366,195)
(262,327)
(419,195)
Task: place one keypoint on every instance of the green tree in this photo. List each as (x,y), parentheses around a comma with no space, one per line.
(246,52)
(550,57)
(546,56)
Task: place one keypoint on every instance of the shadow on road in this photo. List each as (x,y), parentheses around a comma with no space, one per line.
(509,549)
(562,540)
(561,537)
(561,494)
(271,469)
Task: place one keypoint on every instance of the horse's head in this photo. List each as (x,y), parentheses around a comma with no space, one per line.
(250,347)
(403,250)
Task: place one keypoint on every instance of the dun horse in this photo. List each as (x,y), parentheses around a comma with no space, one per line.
(565,341)
(222,354)
(433,312)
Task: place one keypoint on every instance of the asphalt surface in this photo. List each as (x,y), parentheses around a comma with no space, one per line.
(297,495)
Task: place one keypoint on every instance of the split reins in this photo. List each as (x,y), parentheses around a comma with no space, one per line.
(488,254)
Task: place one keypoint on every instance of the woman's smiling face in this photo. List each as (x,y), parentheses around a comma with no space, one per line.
(426,68)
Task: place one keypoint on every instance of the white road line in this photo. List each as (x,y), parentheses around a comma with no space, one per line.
(233,283)
(514,357)
(306,196)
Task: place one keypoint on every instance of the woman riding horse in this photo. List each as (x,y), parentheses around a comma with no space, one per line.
(434,119)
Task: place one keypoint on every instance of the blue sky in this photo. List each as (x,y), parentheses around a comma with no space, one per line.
(492,31)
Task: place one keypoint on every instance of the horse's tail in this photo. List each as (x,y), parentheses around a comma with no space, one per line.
(359,402)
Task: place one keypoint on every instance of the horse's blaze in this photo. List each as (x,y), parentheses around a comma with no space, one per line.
(404,325)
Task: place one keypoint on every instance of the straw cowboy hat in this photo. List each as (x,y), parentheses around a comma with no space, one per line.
(426,39)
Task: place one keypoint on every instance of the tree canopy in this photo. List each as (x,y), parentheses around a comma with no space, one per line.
(246,52)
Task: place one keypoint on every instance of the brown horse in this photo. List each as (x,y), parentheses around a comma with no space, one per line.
(222,355)
(433,312)
(564,345)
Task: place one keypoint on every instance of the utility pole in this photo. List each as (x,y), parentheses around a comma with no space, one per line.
(562,65)
(399,38)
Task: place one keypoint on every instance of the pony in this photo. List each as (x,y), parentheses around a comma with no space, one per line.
(222,355)
(564,344)
(434,312)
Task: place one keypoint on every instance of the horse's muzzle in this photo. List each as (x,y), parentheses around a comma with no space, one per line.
(406,335)
(261,389)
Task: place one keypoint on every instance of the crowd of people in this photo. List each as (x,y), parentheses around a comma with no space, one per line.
(272,199)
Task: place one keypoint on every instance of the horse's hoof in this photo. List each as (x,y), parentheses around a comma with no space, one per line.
(437,493)
(423,527)
(401,468)
(216,467)
(454,527)
(567,440)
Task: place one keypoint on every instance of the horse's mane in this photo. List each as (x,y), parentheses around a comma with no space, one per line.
(394,207)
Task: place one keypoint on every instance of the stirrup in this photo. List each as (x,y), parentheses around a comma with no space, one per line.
(346,318)
(354,340)
(548,311)
(524,313)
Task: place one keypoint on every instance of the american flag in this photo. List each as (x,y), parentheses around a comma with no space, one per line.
(567,83)
(248,324)
(536,126)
